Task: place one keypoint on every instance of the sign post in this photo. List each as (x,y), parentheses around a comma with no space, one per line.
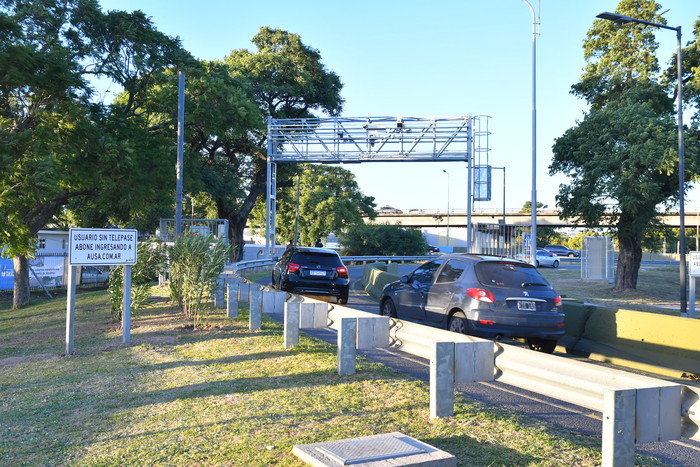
(100,247)
(694,272)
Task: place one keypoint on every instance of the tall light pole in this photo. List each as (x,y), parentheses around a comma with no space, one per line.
(621,19)
(448,207)
(533,196)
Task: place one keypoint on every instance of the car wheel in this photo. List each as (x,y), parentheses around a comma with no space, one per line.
(458,323)
(342,300)
(388,308)
(572,255)
(542,345)
(555,264)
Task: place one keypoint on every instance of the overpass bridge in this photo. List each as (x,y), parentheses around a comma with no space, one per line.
(546,218)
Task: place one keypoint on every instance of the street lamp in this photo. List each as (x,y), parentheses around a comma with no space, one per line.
(621,19)
(533,202)
(448,207)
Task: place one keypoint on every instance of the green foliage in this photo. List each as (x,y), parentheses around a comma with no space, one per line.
(329,201)
(62,146)
(383,239)
(196,261)
(619,56)
(151,260)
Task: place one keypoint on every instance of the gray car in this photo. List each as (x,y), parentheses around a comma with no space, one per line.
(484,296)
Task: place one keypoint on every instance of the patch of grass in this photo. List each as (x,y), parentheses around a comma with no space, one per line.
(657,289)
(222,395)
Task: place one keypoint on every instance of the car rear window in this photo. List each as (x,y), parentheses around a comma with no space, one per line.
(508,274)
(317,259)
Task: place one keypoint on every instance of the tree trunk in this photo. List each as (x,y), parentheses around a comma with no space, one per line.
(236,227)
(628,264)
(21,288)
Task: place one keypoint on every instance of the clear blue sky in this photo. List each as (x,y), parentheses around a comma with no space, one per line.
(439,58)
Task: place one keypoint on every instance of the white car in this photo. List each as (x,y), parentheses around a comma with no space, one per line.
(545,258)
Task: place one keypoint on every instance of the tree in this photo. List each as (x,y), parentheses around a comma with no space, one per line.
(622,161)
(383,239)
(58,145)
(286,80)
(622,158)
(330,201)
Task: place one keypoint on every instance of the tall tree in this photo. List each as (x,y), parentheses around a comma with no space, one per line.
(287,80)
(58,144)
(330,201)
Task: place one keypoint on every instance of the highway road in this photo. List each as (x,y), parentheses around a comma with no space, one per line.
(559,414)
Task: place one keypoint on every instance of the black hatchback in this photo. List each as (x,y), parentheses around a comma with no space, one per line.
(484,296)
(314,271)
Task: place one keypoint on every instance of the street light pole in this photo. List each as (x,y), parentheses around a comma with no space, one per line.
(533,202)
(448,207)
(622,19)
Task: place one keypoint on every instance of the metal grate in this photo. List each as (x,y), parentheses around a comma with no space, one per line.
(359,451)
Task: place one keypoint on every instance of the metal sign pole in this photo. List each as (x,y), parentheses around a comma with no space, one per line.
(70,310)
(126,302)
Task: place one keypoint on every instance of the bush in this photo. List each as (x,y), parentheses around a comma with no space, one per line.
(196,261)
(150,257)
(383,239)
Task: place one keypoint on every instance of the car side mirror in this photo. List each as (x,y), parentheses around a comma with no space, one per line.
(404,279)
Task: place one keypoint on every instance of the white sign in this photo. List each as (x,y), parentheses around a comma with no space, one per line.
(102,246)
(695,263)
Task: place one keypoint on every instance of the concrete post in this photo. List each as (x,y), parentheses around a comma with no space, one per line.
(618,427)
(442,377)
(231,299)
(474,361)
(244,290)
(273,301)
(373,333)
(219,293)
(347,355)
(291,324)
(313,315)
(255,318)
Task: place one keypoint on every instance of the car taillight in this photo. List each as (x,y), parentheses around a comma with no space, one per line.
(481,295)
(342,271)
(292,267)
(557,301)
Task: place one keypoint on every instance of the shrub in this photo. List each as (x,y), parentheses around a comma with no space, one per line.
(150,261)
(196,261)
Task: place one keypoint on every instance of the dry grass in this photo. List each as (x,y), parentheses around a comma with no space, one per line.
(657,289)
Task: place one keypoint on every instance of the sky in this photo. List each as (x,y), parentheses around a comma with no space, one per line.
(440,58)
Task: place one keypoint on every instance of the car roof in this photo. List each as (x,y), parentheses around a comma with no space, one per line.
(313,249)
(480,257)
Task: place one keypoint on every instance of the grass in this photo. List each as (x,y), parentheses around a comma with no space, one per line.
(222,395)
(657,289)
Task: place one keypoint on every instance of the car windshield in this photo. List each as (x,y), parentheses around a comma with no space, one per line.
(317,259)
(508,274)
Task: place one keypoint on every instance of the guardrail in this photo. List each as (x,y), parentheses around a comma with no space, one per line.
(635,408)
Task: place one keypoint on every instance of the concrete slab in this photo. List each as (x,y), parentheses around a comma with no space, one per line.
(383,450)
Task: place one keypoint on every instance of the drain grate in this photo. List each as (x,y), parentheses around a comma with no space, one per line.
(358,451)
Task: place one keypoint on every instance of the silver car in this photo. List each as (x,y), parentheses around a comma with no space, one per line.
(479,295)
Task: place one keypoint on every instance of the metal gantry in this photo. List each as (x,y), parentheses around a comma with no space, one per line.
(337,140)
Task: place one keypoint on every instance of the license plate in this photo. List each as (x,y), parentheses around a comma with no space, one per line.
(527,306)
(313,272)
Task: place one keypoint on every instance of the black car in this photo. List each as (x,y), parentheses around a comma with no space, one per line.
(314,271)
(484,296)
(561,250)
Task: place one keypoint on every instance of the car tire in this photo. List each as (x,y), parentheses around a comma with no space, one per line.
(542,345)
(572,255)
(342,300)
(555,264)
(458,323)
(388,308)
